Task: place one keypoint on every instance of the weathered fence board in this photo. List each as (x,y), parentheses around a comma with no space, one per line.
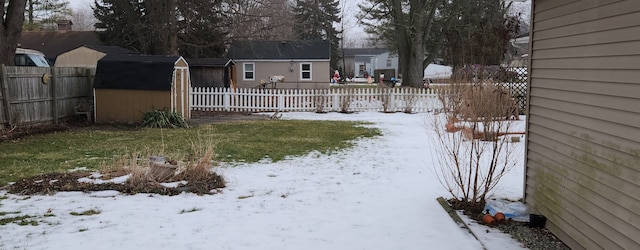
(33,95)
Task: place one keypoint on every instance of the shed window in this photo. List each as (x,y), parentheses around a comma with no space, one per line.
(305,71)
(248,71)
(388,62)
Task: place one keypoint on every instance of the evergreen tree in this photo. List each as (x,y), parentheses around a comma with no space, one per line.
(190,28)
(315,20)
(480,33)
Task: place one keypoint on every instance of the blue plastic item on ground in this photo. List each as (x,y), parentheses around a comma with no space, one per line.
(511,209)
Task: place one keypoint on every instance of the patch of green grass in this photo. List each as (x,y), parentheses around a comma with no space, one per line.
(5,213)
(195,209)
(248,141)
(87,212)
(20,220)
(83,229)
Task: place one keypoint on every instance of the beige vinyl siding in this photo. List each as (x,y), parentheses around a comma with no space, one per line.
(80,57)
(320,74)
(583,148)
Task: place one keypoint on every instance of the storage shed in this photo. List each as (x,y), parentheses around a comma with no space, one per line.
(87,56)
(127,86)
(211,72)
(583,136)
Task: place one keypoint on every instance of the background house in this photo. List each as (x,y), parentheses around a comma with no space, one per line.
(87,56)
(304,64)
(357,61)
(583,141)
(211,72)
(128,85)
(54,43)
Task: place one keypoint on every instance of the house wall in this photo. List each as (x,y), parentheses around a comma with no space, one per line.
(583,146)
(128,106)
(80,57)
(320,77)
(381,63)
(207,76)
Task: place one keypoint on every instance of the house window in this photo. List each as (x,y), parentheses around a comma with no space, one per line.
(388,63)
(248,71)
(305,71)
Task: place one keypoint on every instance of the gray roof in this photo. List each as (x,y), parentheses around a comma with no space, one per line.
(53,43)
(110,49)
(279,50)
(210,62)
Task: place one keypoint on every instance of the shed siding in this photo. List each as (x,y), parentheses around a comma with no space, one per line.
(583,148)
(127,105)
(80,57)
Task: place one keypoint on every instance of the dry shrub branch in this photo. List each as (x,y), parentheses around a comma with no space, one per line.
(474,151)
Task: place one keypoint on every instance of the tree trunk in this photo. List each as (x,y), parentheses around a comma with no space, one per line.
(173,29)
(11,29)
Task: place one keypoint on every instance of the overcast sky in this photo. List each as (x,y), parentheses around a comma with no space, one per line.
(354,32)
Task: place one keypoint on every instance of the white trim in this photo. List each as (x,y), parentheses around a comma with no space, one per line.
(244,72)
(310,71)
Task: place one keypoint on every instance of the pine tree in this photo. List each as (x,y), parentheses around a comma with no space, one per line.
(479,34)
(191,28)
(315,20)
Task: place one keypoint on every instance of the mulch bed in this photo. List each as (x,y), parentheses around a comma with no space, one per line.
(64,182)
(20,132)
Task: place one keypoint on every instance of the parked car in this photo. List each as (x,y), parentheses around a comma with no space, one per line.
(29,57)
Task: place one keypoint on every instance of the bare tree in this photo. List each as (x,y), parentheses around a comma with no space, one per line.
(43,14)
(83,19)
(261,20)
(410,28)
(12,18)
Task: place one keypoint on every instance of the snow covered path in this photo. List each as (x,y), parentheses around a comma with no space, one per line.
(380,194)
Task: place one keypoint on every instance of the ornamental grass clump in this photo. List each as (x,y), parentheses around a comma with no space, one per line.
(163,118)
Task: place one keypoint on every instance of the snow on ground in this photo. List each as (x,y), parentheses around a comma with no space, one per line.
(380,194)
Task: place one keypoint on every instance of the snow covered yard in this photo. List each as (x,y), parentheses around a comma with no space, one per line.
(381,194)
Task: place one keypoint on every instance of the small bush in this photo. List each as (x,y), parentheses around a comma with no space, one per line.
(163,118)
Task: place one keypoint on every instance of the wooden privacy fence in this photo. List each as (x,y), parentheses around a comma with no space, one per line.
(35,95)
(315,100)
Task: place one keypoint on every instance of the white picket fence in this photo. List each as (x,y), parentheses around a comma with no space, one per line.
(315,100)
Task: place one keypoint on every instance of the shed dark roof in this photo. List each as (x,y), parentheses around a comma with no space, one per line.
(364,51)
(110,49)
(133,71)
(279,50)
(53,43)
(210,62)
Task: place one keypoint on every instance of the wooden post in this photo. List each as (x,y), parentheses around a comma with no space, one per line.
(4,88)
(54,101)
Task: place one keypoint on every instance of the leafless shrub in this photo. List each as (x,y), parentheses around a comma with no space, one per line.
(320,101)
(410,100)
(385,96)
(473,154)
(346,99)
